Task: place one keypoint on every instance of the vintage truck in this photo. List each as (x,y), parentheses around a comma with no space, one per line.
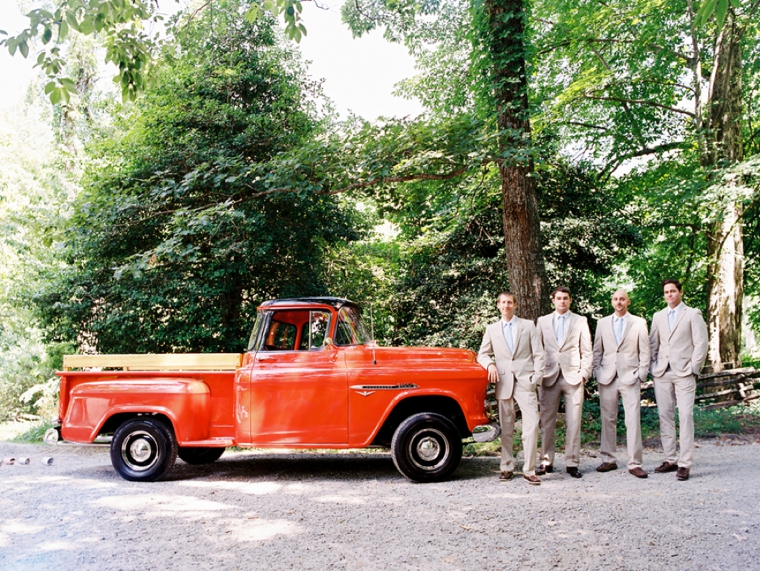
(312,377)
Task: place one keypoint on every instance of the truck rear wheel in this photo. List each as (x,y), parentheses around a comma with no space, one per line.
(426,447)
(199,455)
(143,449)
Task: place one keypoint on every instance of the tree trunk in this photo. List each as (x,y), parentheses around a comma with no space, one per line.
(725,247)
(503,32)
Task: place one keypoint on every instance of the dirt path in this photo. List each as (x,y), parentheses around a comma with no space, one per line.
(311,511)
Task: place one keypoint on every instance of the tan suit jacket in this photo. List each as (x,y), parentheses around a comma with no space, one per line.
(525,365)
(574,358)
(684,348)
(629,361)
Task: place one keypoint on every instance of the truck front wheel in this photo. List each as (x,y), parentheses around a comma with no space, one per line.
(143,449)
(426,447)
(199,455)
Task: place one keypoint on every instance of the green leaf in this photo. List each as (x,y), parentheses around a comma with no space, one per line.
(63,30)
(86,26)
(69,84)
(47,35)
(71,18)
(721,9)
(253,13)
(49,87)
(23,47)
(55,95)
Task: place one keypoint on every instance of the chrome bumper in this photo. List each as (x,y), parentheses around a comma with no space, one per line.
(486,432)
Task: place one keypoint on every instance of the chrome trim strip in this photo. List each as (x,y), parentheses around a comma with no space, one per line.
(399,387)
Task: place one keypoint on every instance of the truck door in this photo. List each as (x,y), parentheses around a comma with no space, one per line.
(298,392)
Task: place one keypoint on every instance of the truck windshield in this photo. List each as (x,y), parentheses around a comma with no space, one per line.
(351,328)
(254,342)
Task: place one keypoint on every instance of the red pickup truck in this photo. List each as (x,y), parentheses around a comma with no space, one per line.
(311,378)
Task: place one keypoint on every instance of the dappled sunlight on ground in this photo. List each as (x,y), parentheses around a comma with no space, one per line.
(262,530)
(156,505)
(252,488)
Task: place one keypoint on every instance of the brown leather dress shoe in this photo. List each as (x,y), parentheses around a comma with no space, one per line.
(533,480)
(638,472)
(505,476)
(682,473)
(574,472)
(544,469)
(666,467)
(606,467)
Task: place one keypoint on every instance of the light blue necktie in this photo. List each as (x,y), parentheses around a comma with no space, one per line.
(508,337)
(618,329)
(671,319)
(561,329)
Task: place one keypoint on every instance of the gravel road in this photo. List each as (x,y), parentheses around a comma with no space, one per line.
(264,510)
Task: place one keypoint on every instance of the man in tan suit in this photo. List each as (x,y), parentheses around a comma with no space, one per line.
(569,358)
(512,353)
(678,344)
(621,364)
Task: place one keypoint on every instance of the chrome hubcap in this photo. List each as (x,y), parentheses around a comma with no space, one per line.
(139,451)
(428,448)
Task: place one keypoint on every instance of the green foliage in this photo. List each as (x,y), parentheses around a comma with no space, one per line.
(34,189)
(34,432)
(120,26)
(730,420)
(175,239)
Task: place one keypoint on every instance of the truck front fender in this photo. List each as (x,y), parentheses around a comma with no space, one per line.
(186,402)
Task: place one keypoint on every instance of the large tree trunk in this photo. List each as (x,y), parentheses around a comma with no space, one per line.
(503,31)
(725,247)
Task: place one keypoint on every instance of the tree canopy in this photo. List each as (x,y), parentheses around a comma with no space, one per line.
(169,248)
(564,143)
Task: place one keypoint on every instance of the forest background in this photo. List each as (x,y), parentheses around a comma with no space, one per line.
(590,144)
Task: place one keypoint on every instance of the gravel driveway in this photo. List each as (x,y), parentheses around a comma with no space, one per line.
(264,510)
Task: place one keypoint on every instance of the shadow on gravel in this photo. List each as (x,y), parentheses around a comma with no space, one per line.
(300,466)
(294,467)
(314,466)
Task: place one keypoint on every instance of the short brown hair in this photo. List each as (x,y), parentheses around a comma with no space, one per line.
(507,293)
(672,281)
(561,289)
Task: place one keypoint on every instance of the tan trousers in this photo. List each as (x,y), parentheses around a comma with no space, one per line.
(608,401)
(528,404)
(669,391)
(549,400)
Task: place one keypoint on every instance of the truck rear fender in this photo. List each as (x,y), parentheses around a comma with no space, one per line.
(99,407)
(412,404)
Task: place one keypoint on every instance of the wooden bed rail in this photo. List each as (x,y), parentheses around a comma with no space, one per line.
(165,362)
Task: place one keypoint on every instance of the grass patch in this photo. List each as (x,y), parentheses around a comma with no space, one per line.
(730,420)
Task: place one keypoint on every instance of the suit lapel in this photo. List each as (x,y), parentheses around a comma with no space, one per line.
(549,332)
(679,316)
(516,336)
(500,335)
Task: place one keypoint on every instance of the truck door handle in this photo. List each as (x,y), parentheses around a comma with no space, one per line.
(265,358)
